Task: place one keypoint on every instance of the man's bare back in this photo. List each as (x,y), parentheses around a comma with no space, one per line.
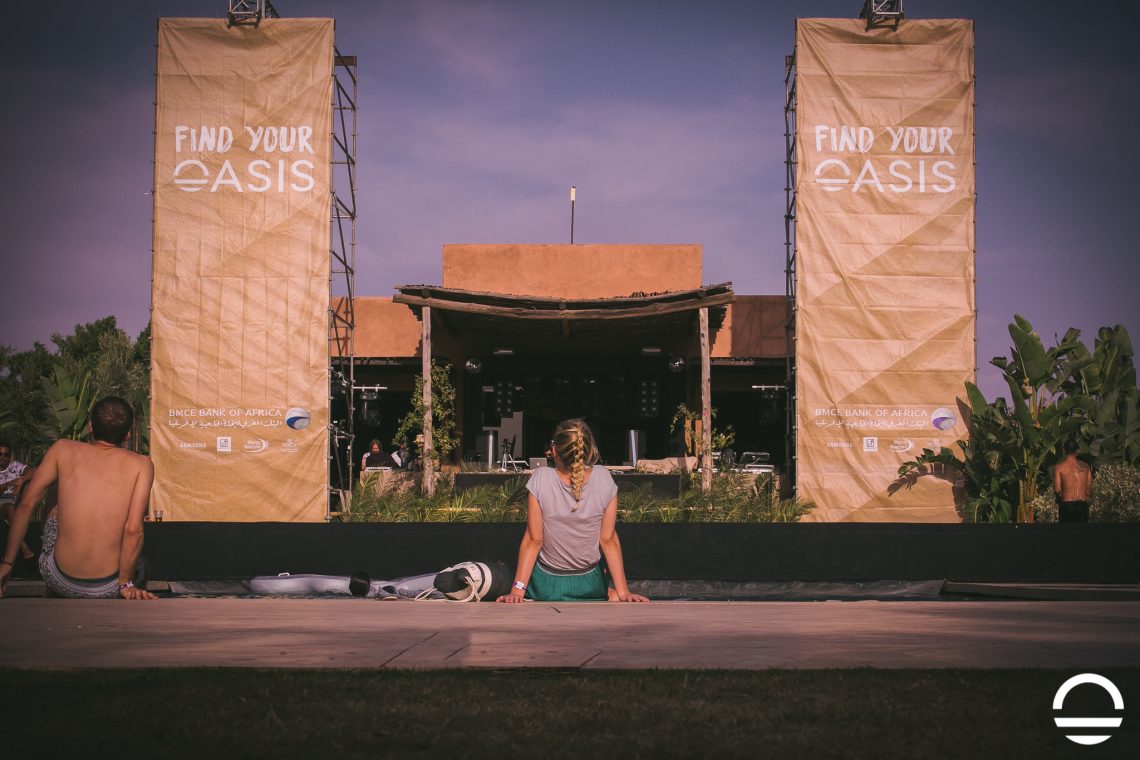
(93,538)
(1072,479)
(102,490)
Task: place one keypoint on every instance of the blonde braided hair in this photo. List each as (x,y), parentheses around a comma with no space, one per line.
(574,444)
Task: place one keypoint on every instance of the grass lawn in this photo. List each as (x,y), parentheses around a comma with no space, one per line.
(222,713)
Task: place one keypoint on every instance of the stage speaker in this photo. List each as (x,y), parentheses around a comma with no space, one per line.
(504,398)
(649,398)
(487,397)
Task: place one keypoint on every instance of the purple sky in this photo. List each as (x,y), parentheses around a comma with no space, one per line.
(477,116)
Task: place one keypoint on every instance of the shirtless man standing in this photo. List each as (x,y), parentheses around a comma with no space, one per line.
(1072,481)
(93,538)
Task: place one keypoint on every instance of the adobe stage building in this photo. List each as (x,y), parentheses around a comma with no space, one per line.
(539,333)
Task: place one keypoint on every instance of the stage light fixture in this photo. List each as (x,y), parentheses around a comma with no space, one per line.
(369,412)
(504,398)
(769,391)
(473,366)
(649,398)
(651,350)
(250,12)
(503,351)
(676,363)
(882,13)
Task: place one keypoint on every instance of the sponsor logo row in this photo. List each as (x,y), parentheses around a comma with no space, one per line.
(872,444)
(296,418)
(225,444)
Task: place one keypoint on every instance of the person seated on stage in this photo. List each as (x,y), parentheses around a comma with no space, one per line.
(93,538)
(374,458)
(571,512)
(13,476)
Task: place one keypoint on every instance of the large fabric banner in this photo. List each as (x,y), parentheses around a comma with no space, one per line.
(885,320)
(239,367)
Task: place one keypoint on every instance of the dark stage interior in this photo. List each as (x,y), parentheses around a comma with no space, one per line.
(614,395)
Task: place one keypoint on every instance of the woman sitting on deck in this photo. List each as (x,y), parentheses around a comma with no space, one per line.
(571,512)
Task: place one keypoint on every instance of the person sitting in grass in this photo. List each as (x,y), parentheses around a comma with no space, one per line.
(571,512)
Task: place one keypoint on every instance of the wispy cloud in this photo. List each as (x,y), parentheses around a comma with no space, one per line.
(474,42)
(477,116)
(645,173)
(79,230)
(1073,108)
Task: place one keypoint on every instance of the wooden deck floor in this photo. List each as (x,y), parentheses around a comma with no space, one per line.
(321,633)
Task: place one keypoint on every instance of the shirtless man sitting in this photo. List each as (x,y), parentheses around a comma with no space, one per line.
(93,538)
(1072,482)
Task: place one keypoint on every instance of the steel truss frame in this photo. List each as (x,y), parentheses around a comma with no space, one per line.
(882,13)
(790,164)
(249,12)
(342,278)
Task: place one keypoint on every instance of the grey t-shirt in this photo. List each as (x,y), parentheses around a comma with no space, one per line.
(569,536)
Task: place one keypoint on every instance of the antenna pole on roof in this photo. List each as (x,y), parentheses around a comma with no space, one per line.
(573,193)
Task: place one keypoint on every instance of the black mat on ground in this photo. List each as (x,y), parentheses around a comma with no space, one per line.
(676,552)
(712,591)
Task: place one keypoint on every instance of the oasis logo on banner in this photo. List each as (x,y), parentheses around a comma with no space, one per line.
(924,170)
(259,175)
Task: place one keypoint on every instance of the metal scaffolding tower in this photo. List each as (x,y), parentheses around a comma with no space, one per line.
(790,164)
(342,276)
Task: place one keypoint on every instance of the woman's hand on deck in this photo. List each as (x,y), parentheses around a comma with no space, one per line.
(512,598)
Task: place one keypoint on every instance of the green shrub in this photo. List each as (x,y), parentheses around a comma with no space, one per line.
(733,498)
(1115,496)
(1045,508)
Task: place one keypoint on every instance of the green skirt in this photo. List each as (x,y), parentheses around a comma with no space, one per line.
(590,586)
